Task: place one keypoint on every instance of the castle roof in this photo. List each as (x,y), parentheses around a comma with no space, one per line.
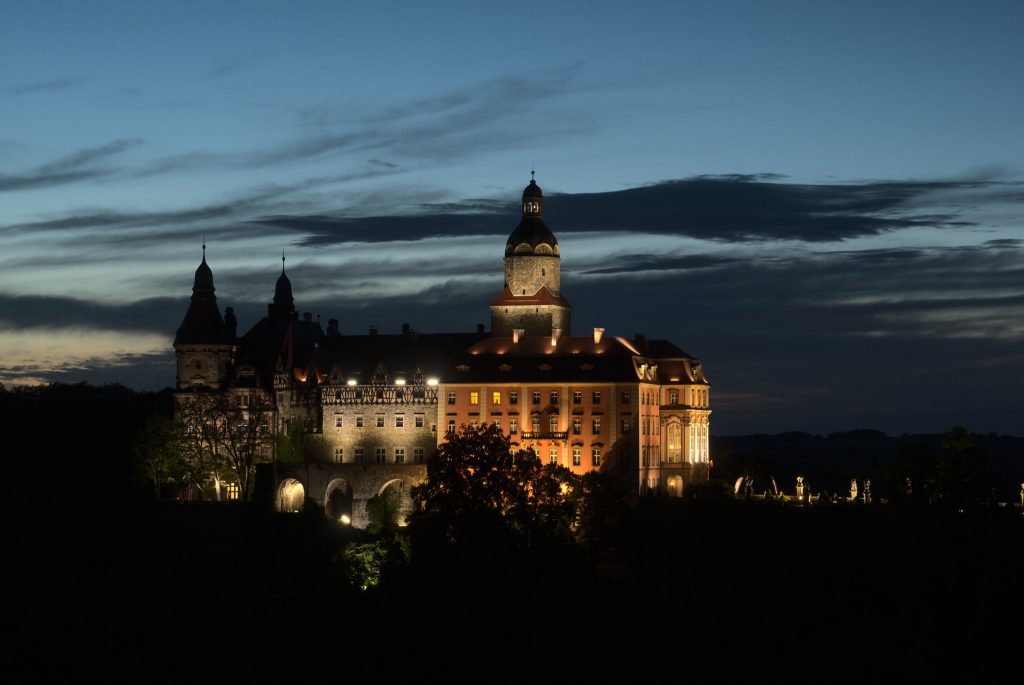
(203,324)
(542,297)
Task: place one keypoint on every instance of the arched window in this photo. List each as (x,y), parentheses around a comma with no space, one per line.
(675,442)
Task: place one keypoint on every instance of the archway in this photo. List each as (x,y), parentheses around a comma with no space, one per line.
(291,495)
(675,486)
(338,501)
(391,504)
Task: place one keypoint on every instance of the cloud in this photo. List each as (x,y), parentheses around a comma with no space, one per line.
(727,209)
(43,86)
(72,168)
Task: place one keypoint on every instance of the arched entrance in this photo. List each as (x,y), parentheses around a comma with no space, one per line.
(391,503)
(290,496)
(675,486)
(338,501)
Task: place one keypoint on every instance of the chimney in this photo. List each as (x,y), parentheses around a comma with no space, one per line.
(332,327)
(556,333)
(480,329)
(517,333)
(373,329)
(307,317)
(598,334)
(230,322)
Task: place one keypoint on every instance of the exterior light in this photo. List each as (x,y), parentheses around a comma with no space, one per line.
(345,520)
(399,381)
(431,382)
(351,381)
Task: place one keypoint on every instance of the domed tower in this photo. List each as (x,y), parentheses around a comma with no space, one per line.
(283,306)
(203,344)
(532,300)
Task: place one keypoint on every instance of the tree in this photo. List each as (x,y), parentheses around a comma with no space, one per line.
(290,444)
(196,426)
(157,453)
(960,477)
(478,490)
(243,435)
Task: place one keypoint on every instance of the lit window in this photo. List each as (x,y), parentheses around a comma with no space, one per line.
(675,442)
(535,397)
(577,454)
(399,455)
(596,425)
(595,456)
(673,397)
(339,421)
(359,422)
(451,398)
(496,423)
(231,491)
(451,426)
(554,397)
(419,420)
(474,398)
(513,398)
(553,423)
(380,420)
(399,421)
(597,397)
(577,425)
(535,424)
(495,398)
(381,455)
(513,426)
(552,455)
(577,397)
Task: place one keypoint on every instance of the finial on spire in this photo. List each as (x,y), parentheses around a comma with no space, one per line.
(282,260)
(533,173)
(204,247)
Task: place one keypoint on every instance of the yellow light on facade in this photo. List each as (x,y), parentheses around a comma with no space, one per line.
(399,381)
(351,381)
(345,520)
(431,382)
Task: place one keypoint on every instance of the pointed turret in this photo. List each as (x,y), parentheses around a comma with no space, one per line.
(283,306)
(203,323)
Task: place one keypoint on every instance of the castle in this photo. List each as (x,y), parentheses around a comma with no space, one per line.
(373,408)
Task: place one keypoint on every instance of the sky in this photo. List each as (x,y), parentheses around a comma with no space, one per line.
(823,201)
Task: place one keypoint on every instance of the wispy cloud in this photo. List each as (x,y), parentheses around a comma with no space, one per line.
(77,166)
(42,86)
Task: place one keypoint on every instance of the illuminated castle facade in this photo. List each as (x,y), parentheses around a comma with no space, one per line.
(375,407)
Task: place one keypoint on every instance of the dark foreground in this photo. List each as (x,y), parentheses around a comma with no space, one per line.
(721,591)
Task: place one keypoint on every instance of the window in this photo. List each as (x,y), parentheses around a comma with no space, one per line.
(243,400)
(597,397)
(473,423)
(673,397)
(419,420)
(675,442)
(577,454)
(496,423)
(451,426)
(417,455)
(596,425)
(380,420)
(474,398)
(554,397)
(626,425)
(553,423)
(399,421)
(552,455)
(625,396)
(451,398)
(513,398)
(535,423)
(359,455)
(535,397)
(399,455)
(359,422)
(339,453)
(577,425)
(577,397)
(513,426)
(381,455)
(595,456)
(199,364)
(231,491)
(495,398)
(339,421)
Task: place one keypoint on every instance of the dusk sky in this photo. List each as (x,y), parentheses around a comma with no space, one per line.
(822,201)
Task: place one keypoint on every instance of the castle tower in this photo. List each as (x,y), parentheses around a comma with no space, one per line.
(203,344)
(532,299)
(283,306)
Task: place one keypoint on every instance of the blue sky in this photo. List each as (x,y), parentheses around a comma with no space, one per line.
(851,169)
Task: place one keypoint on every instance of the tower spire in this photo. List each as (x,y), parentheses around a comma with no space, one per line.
(282,261)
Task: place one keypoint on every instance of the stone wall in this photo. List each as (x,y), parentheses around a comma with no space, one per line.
(525,274)
(535,320)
